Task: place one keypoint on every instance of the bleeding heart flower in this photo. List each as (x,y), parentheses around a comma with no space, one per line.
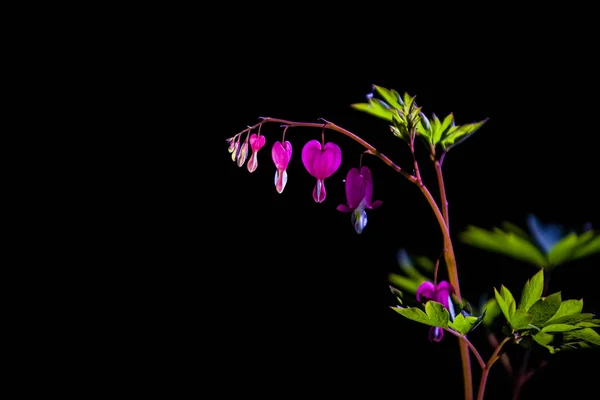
(321,162)
(256,143)
(281,154)
(440,293)
(359,197)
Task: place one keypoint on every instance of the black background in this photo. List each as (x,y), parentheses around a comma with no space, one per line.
(273,295)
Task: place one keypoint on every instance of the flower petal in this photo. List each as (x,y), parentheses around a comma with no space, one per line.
(442,293)
(319,192)
(321,162)
(355,188)
(280,180)
(257,142)
(281,154)
(242,154)
(376,204)
(253,162)
(331,159)
(309,150)
(436,334)
(425,291)
(359,220)
(344,208)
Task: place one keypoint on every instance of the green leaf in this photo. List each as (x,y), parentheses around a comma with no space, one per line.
(462,324)
(587,249)
(504,306)
(587,334)
(559,328)
(408,285)
(512,228)
(506,243)
(390,96)
(413,313)
(567,308)
(521,319)
(587,324)
(509,299)
(441,128)
(492,310)
(532,291)
(425,263)
(437,313)
(543,338)
(571,319)
(543,309)
(460,134)
(375,108)
(561,251)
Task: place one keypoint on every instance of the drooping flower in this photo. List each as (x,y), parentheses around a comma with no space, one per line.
(234,145)
(256,143)
(242,153)
(440,293)
(321,161)
(359,196)
(281,154)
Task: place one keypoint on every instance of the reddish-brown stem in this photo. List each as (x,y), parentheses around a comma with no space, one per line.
(486,371)
(504,357)
(414,156)
(473,349)
(334,127)
(448,249)
(443,198)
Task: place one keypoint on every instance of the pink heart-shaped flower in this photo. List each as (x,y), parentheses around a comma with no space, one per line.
(257,142)
(321,161)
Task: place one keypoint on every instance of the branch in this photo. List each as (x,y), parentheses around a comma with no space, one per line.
(328,125)
(471,346)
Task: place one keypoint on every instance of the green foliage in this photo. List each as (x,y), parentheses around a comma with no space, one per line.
(532,291)
(435,314)
(553,323)
(464,325)
(492,311)
(412,268)
(445,132)
(408,120)
(516,243)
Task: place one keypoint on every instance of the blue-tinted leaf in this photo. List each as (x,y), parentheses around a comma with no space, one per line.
(390,96)
(545,235)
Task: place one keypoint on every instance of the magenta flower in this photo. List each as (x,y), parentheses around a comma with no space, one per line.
(359,197)
(256,143)
(321,161)
(281,154)
(440,293)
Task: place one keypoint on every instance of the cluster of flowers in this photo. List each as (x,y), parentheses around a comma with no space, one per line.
(321,160)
